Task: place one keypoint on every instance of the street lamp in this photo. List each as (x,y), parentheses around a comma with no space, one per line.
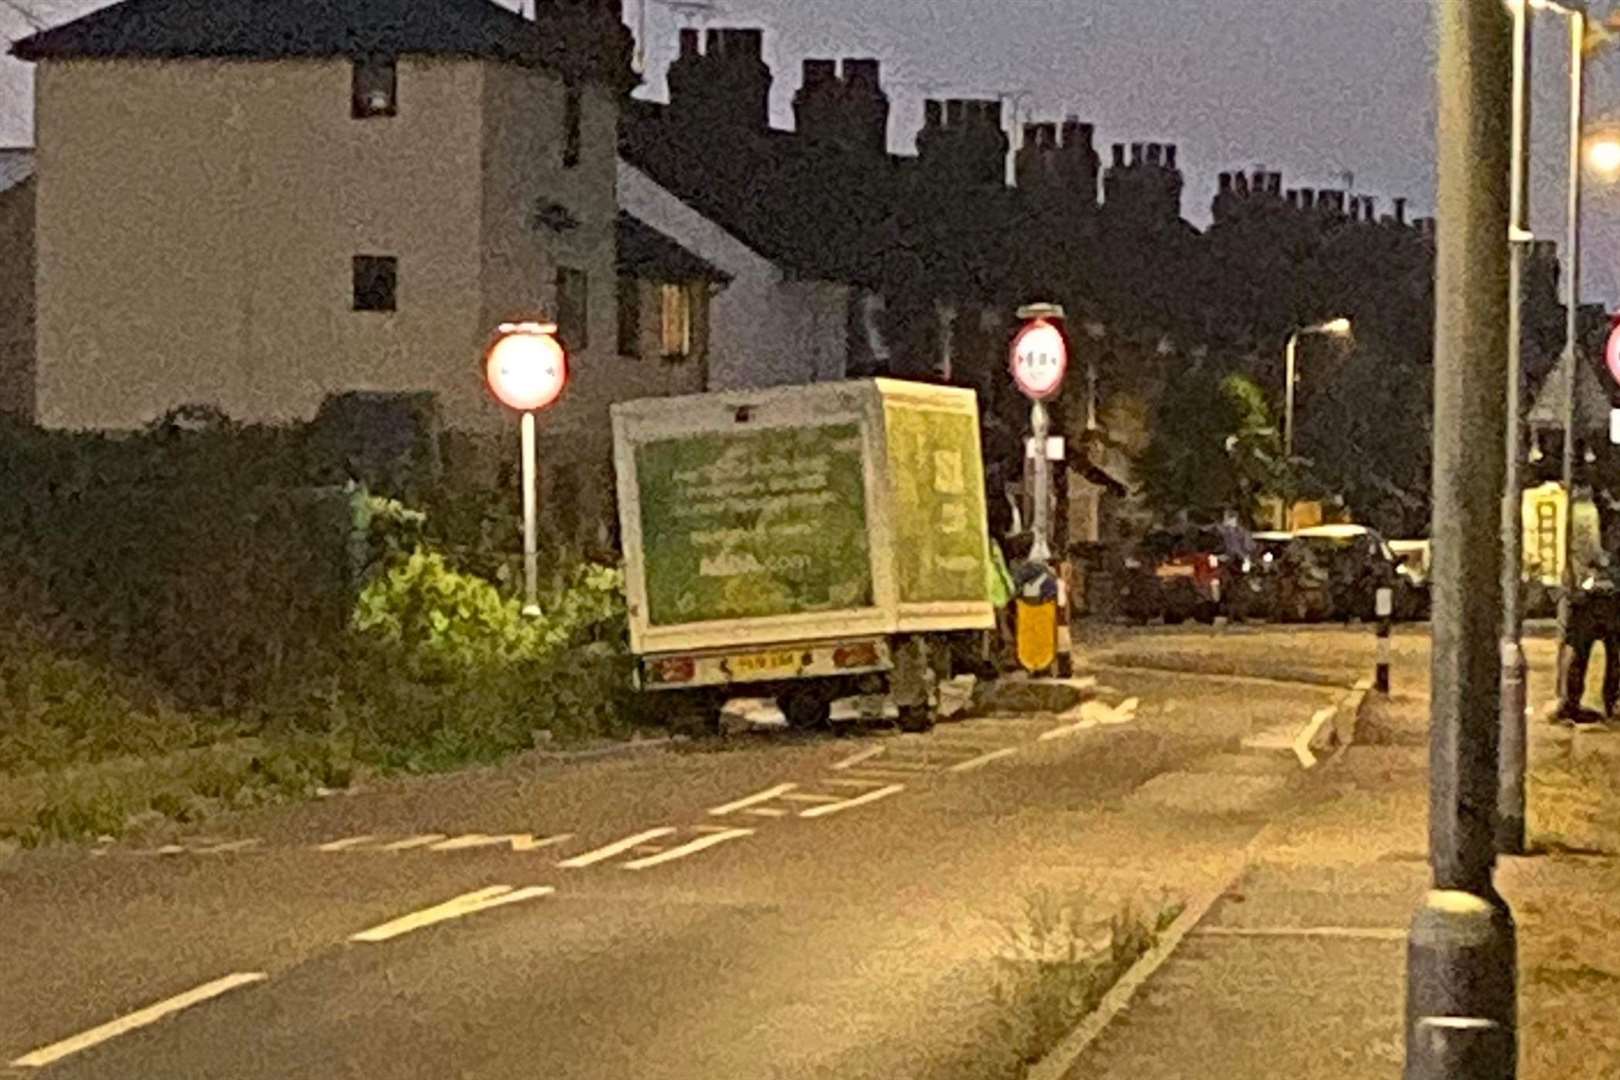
(1603,154)
(1333,327)
(526,369)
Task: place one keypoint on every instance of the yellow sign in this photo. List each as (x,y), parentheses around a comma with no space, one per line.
(1037,634)
(783,661)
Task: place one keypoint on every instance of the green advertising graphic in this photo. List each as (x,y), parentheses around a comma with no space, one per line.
(939,516)
(750,525)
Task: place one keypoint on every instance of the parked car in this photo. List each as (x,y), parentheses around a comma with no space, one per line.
(1282,581)
(1181,574)
(1359,562)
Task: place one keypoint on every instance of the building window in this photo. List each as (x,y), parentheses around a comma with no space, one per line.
(374,87)
(675,310)
(630,316)
(376,279)
(573,308)
(573,120)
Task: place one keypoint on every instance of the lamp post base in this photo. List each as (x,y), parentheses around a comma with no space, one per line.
(1461,1011)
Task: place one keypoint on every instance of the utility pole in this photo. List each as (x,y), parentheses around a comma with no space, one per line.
(1460,997)
(1510,795)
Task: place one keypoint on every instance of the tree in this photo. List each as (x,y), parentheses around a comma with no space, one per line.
(1215,446)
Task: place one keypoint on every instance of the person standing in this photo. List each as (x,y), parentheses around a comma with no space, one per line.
(1594,607)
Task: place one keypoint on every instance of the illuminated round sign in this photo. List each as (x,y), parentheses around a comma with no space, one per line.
(525,366)
(1039,359)
(1611,352)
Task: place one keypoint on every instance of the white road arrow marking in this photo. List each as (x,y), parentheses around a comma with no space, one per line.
(848,804)
(123,1025)
(751,800)
(466,904)
(691,847)
(618,847)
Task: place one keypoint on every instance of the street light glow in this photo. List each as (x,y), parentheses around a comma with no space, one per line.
(1340,327)
(1603,154)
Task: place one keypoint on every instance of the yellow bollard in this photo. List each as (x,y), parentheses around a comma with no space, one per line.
(1037,634)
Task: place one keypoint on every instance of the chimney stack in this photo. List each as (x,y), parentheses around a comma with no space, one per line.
(725,86)
(1400,211)
(817,73)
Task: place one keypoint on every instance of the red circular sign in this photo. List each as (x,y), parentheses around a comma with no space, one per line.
(1611,352)
(525,366)
(1040,358)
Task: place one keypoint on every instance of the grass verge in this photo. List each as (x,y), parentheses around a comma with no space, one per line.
(1053,971)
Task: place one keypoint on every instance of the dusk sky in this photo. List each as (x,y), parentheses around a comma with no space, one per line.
(1312,88)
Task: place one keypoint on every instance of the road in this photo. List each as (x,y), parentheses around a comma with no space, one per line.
(762,907)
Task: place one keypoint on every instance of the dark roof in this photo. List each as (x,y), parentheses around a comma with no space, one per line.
(646,253)
(284,29)
(806,206)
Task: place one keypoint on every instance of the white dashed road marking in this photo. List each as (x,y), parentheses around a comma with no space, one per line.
(466,904)
(414,842)
(983,759)
(856,759)
(765,811)
(847,804)
(346,843)
(811,797)
(518,841)
(231,845)
(750,800)
(123,1025)
(618,847)
(856,783)
(691,847)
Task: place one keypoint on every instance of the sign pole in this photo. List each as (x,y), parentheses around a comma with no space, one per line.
(531,545)
(1040,550)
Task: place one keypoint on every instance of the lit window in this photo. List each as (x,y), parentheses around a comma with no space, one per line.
(376,280)
(573,119)
(675,307)
(629,316)
(374,88)
(573,308)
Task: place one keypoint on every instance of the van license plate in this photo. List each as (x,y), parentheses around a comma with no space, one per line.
(780,662)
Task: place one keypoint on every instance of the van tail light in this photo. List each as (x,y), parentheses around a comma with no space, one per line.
(856,656)
(680,669)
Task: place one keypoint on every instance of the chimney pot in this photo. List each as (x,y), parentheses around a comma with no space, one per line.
(1153,151)
(1088,132)
(1274,183)
(1136,153)
(819,72)
(1224,182)
(955,110)
(1240,183)
(1307,197)
(933,113)
(689,41)
(1370,203)
(714,42)
(865,71)
(1170,156)
(1119,155)
(1049,135)
(1400,211)
(750,44)
(1293,197)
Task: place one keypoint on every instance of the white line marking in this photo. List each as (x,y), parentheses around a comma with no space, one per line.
(1362,933)
(856,783)
(171,849)
(414,842)
(466,904)
(983,759)
(229,845)
(811,797)
(766,811)
(517,841)
(616,848)
(1302,743)
(691,847)
(757,797)
(714,828)
(139,1019)
(1068,729)
(891,766)
(346,843)
(859,800)
(856,759)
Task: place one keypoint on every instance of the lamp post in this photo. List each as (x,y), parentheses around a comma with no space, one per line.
(1510,779)
(526,369)
(1460,961)
(1335,327)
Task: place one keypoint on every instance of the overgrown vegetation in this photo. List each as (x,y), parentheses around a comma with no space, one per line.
(190,624)
(1054,970)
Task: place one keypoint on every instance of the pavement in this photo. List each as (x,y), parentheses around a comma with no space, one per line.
(767,906)
(1298,969)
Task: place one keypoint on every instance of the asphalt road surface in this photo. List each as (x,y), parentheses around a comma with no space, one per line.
(763,907)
